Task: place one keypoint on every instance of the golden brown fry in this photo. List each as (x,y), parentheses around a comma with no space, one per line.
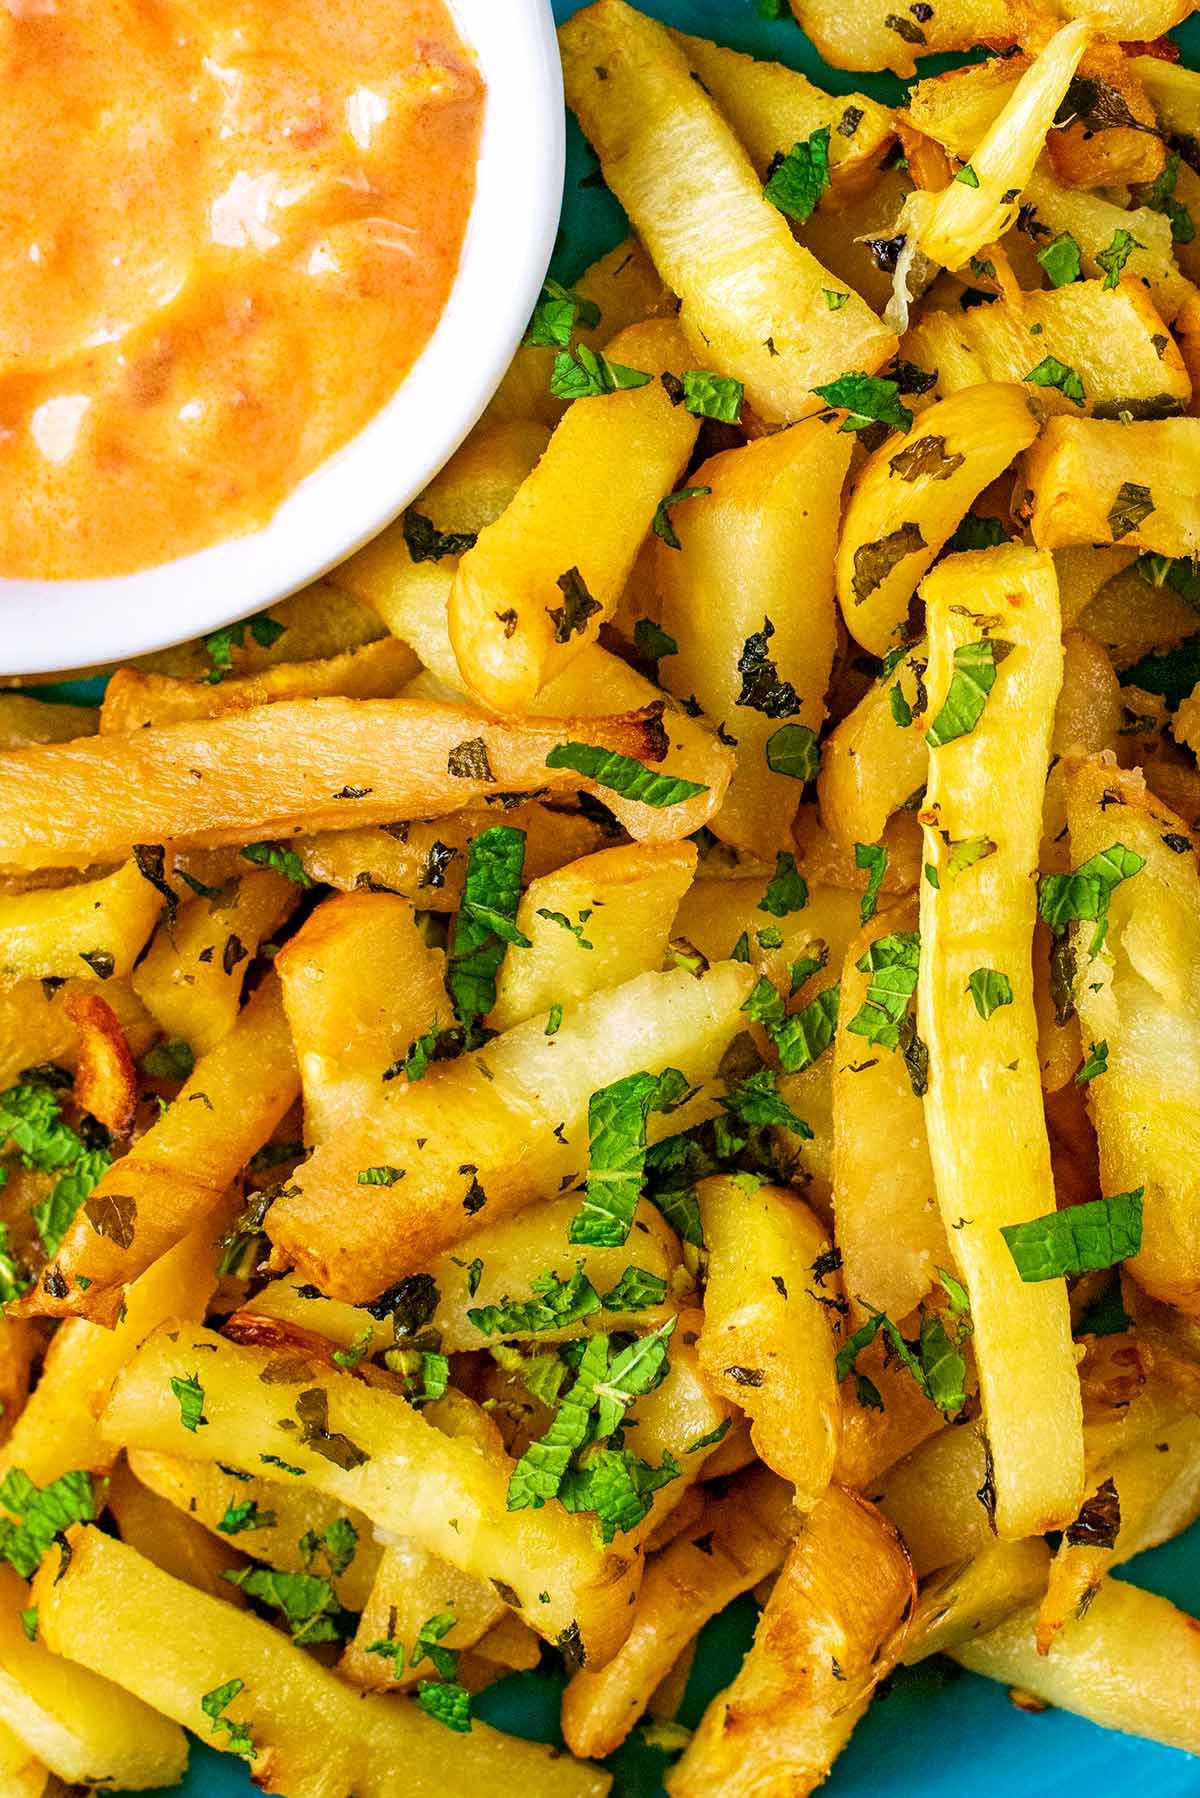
(1096,481)
(173,1539)
(872,762)
(748,600)
(105,1078)
(96,928)
(962,1602)
(828,1634)
(412,1585)
(540,581)
(360,985)
(477,1137)
(378,1454)
(767,1343)
(35,1026)
(320,764)
(737,1539)
(137,701)
(752,302)
(860,37)
(311,1735)
(176,1173)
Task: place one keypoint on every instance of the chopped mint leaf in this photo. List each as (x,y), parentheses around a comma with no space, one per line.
(43,1514)
(762,687)
(934,1359)
(1061,259)
(649,639)
(379,1176)
(554,1305)
(793,750)
(757,1101)
(617,1117)
(663,527)
(171,1060)
(1077,1240)
(484,923)
(795,182)
(221,644)
(976,533)
(621,774)
(617,1485)
(799,1037)
(245,1516)
(867,400)
(588,373)
(835,298)
(1113,259)
(558,313)
(1050,372)
(190,1394)
(1095,1064)
(238,1739)
(447,1701)
(284,861)
(1132,506)
(309,1606)
(974,676)
(966,174)
(636,1290)
(564,923)
(990,990)
(425,543)
(875,857)
(787,890)
(712,396)
(892,962)
(554,1020)
(1084,895)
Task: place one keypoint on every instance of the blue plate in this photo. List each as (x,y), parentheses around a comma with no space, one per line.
(937,1731)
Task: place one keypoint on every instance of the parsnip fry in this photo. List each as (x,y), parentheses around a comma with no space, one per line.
(480,1137)
(541,580)
(865,36)
(175,1174)
(1140,993)
(191,976)
(980,203)
(36,1027)
(1093,221)
(592,924)
(828,1633)
(304,1732)
(1092,481)
(767,1342)
(873,761)
(320,764)
(968,1600)
(80,1725)
(1131,1663)
(105,1077)
(137,701)
(94,930)
(983,1110)
(911,495)
(772,107)
(748,600)
(360,985)
(737,1539)
(172,1538)
(374,1451)
(412,1585)
(751,296)
(25,720)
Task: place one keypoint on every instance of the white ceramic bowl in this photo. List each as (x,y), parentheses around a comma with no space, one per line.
(50,625)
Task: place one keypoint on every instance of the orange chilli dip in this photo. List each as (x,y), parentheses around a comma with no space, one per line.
(226,234)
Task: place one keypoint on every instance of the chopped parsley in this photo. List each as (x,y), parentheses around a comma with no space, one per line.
(1077,1240)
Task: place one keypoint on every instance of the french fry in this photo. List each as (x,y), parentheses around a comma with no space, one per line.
(93,930)
(625,289)
(683,1418)
(411,1586)
(1130,1663)
(310,1735)
(539,582)
(360,985)
(911,495)
(403,859)
(592,924)
(748,599)
(137,701)
(1087,720)
(24,721)
(411,1480)
(828,1633)
(318,622)
(470,493)
(744,1535)
(36,1027)
(490,1137)
(953,225)
(1113,339)
(105,1078)
(772,107)
(175,1174)
(89,801)
(208,1494)
(503,1255)
(1092,220)
(191,976)
(932,1496)
(871,762)
(1137,994)
(767,1343)
(57,1432)
(1083,480)
(850,234)
(83,1727)
(864,38)
(746,286)
(963,1602)
(987,1134)
(171,1538)
(1083,572)
(888,1226)
(20,1343)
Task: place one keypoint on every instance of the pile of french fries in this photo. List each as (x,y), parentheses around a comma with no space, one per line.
(640,1041)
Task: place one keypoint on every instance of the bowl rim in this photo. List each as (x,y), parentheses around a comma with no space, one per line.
(57,626)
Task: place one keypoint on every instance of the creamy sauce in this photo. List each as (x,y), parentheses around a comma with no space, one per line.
(227,230)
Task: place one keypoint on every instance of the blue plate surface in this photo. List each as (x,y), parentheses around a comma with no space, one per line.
(937,1732)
